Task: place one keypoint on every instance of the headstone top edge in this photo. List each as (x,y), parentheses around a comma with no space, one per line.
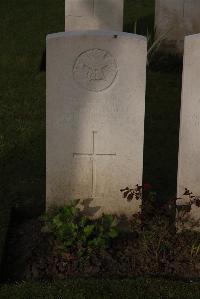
(192,36)
(96,33)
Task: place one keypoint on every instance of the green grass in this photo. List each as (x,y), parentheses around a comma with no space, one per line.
(140,12)
(104,289)
(24,25)
(4,220)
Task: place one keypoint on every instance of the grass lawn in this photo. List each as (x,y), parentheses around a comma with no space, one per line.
(4,220)
(24,25)
(104,289)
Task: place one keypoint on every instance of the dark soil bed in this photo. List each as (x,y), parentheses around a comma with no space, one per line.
(32,254)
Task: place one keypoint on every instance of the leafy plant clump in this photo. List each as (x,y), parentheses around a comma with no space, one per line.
(74,231)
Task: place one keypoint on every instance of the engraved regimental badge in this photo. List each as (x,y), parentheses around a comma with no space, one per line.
(95,70)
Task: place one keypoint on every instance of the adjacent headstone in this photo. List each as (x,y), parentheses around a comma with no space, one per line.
(94,15)
(174,19)
(189,143)
(95,118)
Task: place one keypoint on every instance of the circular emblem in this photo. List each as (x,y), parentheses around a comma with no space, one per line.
(95,70)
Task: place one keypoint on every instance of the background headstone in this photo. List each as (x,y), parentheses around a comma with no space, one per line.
(95,118)
(189,141)
(94,15)
(174,19)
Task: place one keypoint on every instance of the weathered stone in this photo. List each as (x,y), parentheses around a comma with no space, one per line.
(189,141)
(95,118)
(94,15)
(174,19)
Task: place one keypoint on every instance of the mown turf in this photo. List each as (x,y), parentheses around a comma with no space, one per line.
(104,289)
(24,25)
(4,220)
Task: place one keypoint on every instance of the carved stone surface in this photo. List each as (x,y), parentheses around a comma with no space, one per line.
(189,141)
(95,118)
(95,69)
(174,19)
(94,15)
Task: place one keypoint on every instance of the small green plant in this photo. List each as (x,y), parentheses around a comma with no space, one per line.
(72,230)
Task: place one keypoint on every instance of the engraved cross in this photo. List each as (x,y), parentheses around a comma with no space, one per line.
(93,157)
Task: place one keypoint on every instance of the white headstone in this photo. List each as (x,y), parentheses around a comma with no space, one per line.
(94,15)
(189,141)
(174,19)
(95,117)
